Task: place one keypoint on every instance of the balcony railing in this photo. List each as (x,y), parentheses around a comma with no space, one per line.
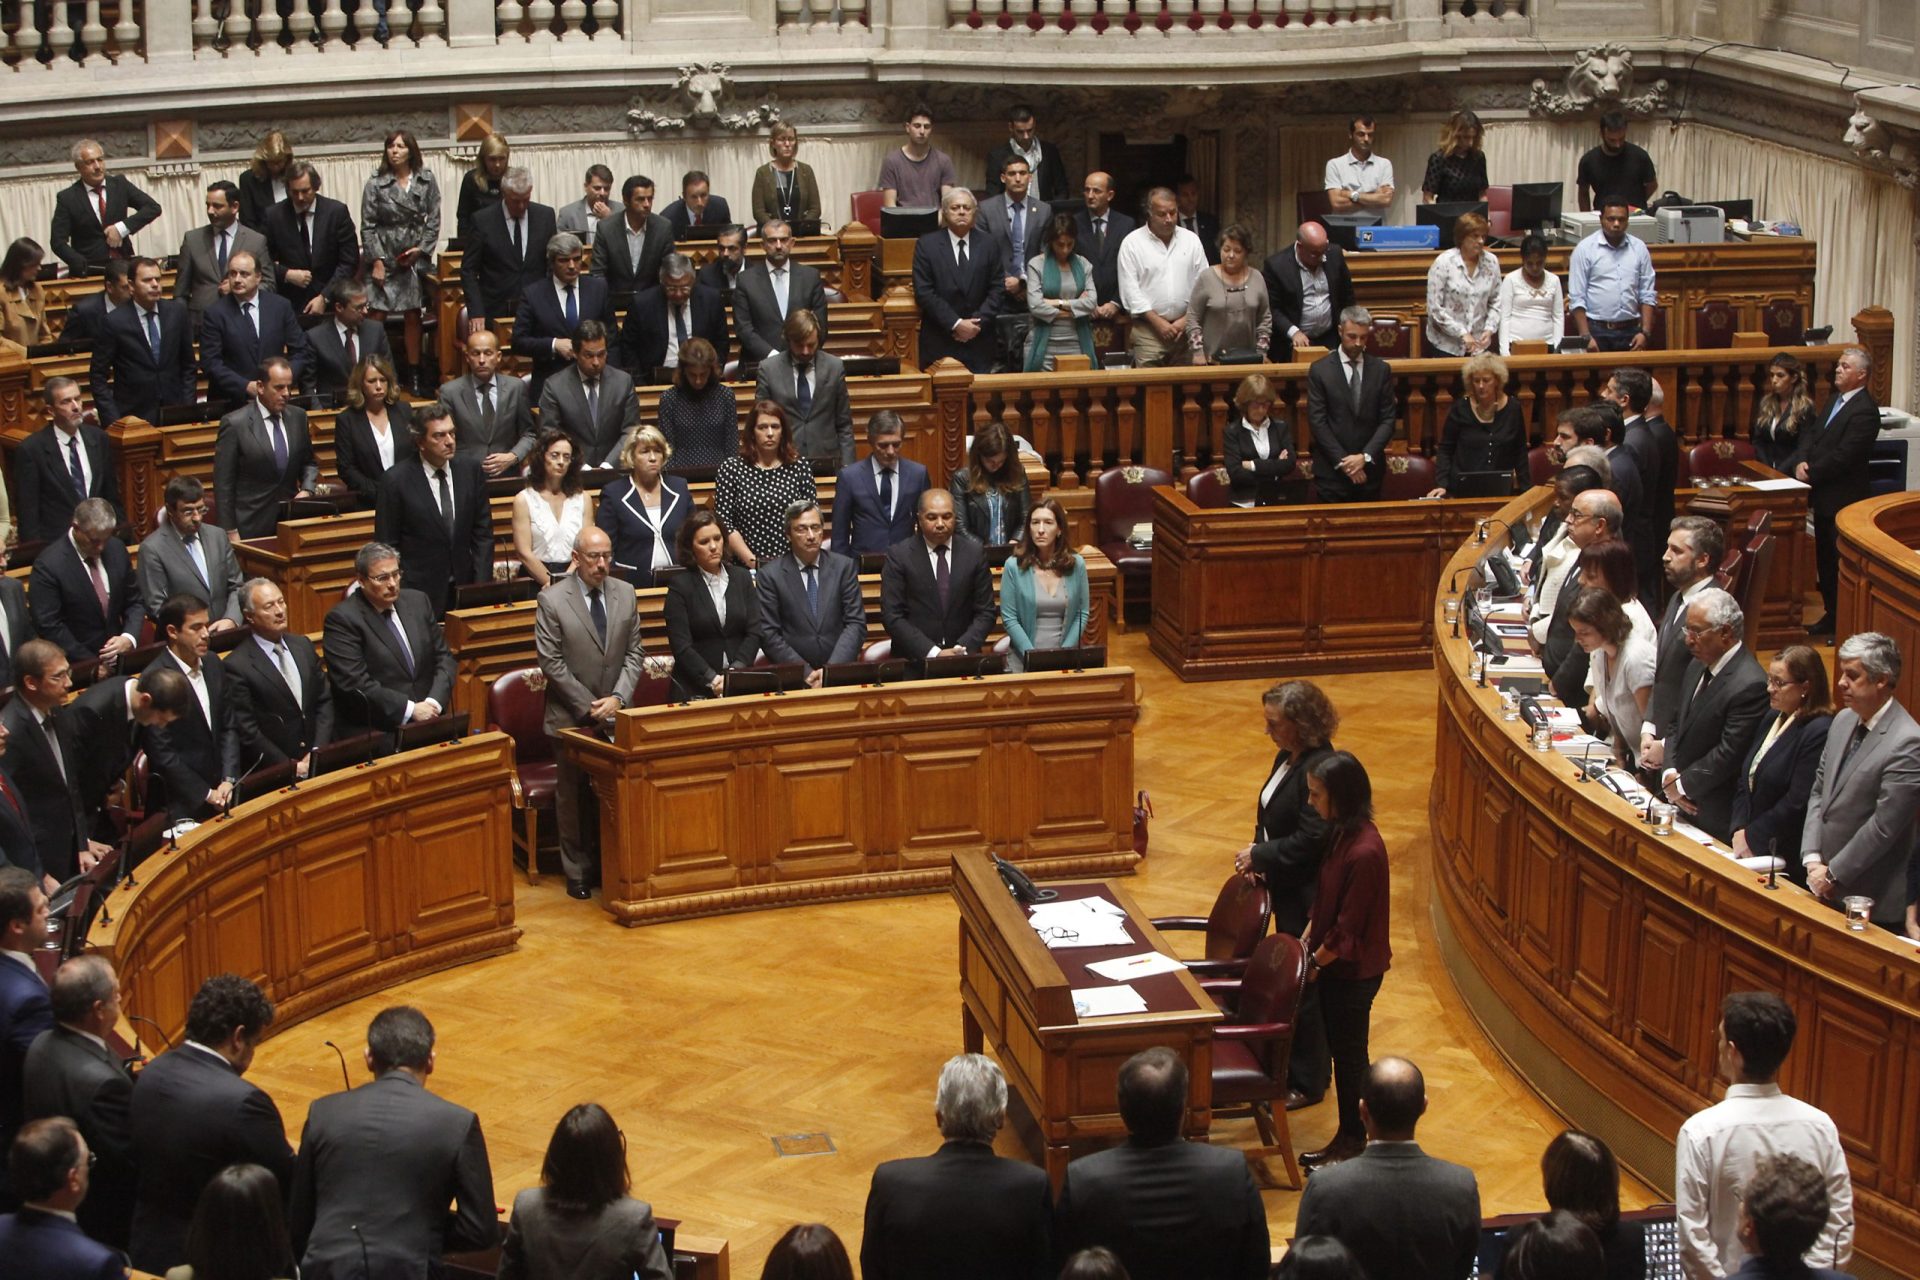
(1163,17)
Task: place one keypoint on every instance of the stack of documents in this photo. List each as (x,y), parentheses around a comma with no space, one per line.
(1080,922)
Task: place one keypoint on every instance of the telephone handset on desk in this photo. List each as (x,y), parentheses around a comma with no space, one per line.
(1020,884)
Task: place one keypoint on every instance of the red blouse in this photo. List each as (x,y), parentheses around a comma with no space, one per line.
(1350,907)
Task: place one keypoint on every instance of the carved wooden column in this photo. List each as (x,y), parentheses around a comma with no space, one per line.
(1874,328)
(859,256)
(136,449)
(952,390)
(900,323)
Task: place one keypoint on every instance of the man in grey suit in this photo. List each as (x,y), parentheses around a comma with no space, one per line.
(584,214)
(202,274)
(629,246)
(586,632)
(810,606)
(591,400)
(263,455)
(186,555)
(811,385)
(1723,696)
(1399,1211)
(490,413)
(1017,222)
(1858,836)
(770,293)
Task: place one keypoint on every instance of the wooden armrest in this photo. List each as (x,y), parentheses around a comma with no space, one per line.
(1214,970)
(1252,1030)
(1164,923)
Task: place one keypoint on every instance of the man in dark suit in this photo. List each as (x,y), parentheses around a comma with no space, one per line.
(42,767)
(587,637)
(192,1115)
(16,625)
(51,1163)
(810,606)
(552,309)
(722,275)
(186,554)
(1832,457)
(205,251)
(1168,1208)
(82,590)
(493,419)
(1656,457)
(378,1164)
(282,706)
(811,385)
(87,317)
(1018,224)
(386,656)
(936,593)
(1399,1211)
(962,1213)
(263,455)
(505,251)
(143,358)
(1694,547)
(875,500)
(345,337)
(1186,194)
(63,463)
(697,205)
(591,400)
(95,218)
(1724,695)
(195,760)
(1350,409)
(109,722)
(1101,231)
(662,319)
(25,1011)
(958,282)
(435,511)
(244,329)
(1308,286)
(772,292)
(311,241)
(1043,158)
(629,245)
(71,1072)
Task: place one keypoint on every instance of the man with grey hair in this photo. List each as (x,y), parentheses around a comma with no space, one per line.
(282,707)
(95,218)
(962,1213)
(1593,518)
(957,282)
(1832,458)
(1858,837)
(386,656)
(1159,265)
(81,589)
(546,325)
(1724,694)
(667,317)
(811,611)
(71,1072)
(1350,409)
(502,255)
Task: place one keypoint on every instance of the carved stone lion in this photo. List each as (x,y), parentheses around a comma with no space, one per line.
(1601,77)
(1878,149)
(699,99)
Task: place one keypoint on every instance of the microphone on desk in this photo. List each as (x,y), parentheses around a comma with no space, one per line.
(1773,862)
(1582,771)
(157,1029)
(345,1083)
(226,810)
(1485,528)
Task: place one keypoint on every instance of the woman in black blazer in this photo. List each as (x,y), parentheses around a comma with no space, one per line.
(643,510)
(704,643)
(375,415)
(1776,778)
(993,476)
(1258,448)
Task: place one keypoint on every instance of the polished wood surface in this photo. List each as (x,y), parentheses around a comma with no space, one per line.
(1599,955)
(1016,1002)
(1880,579)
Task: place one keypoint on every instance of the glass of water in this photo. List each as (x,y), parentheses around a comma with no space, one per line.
(1662,815)
(1509,705)
(1859,912)
(1543,737)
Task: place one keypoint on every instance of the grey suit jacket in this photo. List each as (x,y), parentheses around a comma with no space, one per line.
(512,417)
(1403,1213)
(197,280)
(757,317)
(998,223)
(1860,820)
(167,568)
(563,405)
(578,667)
(791,632)
(618,1243)
(250,487)
(827,432)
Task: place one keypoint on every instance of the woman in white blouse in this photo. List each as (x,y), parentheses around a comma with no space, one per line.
(550,512)
(1621,664)
(1532,306)
(1463,293)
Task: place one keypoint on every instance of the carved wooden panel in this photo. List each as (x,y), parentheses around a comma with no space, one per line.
(331,906)
(816,803)
(1539,897)
(1844,1042)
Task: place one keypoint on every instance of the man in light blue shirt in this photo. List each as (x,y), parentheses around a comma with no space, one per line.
(1610,284)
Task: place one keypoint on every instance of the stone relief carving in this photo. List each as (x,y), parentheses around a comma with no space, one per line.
(1602,77)
(701,93)
(117,143)
(1877,148)
(322,131)
(537,118)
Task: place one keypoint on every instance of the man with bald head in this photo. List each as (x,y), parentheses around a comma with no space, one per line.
(1102,228)
(936,593)
(1309,286)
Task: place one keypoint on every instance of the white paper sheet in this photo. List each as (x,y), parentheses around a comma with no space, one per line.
(1104,1002)
(1144,965)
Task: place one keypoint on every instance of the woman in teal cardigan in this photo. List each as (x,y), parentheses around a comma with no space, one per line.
(1043,588)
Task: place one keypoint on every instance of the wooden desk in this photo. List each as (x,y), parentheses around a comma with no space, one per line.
(739,803)
(355,882)
(1596,955)
(1880,579)
(1016,1001)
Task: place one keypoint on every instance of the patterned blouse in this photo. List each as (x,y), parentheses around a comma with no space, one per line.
(752,502)
(1459,303)
(704,430)
(393,220)
(1452,177)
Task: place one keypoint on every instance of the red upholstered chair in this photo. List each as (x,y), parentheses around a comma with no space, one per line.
(1732,573)
(1760,522)
(1311,206)
(1408,476)
(1209,488)
(1250,1049)
(1233,927)
(1500,211)
(1784,321)
(1390,339)
(867,206)
(1123,498)
(1714,324)
(1540,468)
(1712,458)
(517,707)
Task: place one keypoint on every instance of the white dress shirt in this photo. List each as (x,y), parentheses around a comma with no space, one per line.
(62,436)
(717,589)
(1528,314)
(1159,277)
(433,485)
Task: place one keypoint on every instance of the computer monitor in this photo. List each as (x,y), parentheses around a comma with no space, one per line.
(747,680)
(1482,484)
(1735,210)
(427,733)
(1343,229)
(962,666)
(908,223)
(705,231)
(1078,658)
(1445,214)
(1536,207)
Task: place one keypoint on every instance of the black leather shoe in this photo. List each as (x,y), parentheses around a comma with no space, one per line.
(1341,1148)
(1824,627)
(1298,1101)
(578,889)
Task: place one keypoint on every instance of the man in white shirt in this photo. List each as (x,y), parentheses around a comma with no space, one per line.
(1159,265)
(1358,181)
(1717,1148)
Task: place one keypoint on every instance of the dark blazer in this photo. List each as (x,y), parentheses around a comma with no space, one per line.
(827,431)
(962,1213)
(1171,1211)
(36,1243)
(643,340)
(80,237)
(623,516)
(53,802)
(492,275)
(99,739)
(256,198)
(1671,660)
(230,352)
(623,275)
(539,318)
(1711,737)
(859,522)
(85,319)
(69,1075)
(357,457)
(1290,840)
(1285,293)
(620,1242)
(998,223)
(43,490)
(269,724)
(717,278)
(973,517)
(1771,807)
(18,848)
(433,558)
(910,603)
(372,683)
(1049,181)
(376,1168)
(1400,1211)
(65,608)
(563,407)
(1565,661)
(1836,454)
(330,365)
(192,1115)
(127,380)
(190,756)
(757,317)
(1207,227)
(335,252)
(703,647)
(716,214)
(19,615)
(1105,258)
(790,632)
(24,1013)
(1340,427)
(947,296)
(1260,486)
(250,484)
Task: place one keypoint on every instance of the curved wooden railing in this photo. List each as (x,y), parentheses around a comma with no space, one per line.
(1880,578)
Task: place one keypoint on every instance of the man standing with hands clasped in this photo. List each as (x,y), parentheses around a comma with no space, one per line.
(1159,264)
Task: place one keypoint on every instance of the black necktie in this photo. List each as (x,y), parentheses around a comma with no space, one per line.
(220,251)
(446,499)
(352,347)
(1099,237)
(486,411)
(941,580)
(1858,736)
(963,257)
(803,392)
(597,607)
(886,491)
(513,227)
(306,236)
(813,589)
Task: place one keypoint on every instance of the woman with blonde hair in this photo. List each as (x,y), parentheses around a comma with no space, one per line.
(1463,293)
(263,183)
(643,510)
(480,190)
(1457,170)
(1256,449)
(375,430)
(784,187)
(1484,433)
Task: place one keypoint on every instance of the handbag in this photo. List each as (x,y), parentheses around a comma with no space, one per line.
(1142,810)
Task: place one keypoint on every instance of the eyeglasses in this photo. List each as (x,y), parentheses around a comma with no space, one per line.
(1782,684)
(1697,632)
(391,575)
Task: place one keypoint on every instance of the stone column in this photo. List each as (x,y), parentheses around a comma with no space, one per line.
(470,23)
(168,27)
